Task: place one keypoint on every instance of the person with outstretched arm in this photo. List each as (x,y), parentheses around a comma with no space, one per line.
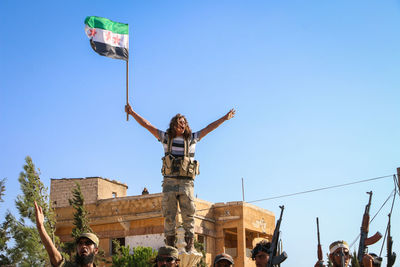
(86,246)
(179,170)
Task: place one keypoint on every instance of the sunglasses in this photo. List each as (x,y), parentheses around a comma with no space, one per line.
(345,253)
(166,259)
(86,243)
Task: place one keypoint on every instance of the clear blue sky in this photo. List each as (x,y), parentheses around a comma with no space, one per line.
(315,85)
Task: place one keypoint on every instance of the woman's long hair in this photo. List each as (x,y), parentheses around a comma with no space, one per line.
(174,122)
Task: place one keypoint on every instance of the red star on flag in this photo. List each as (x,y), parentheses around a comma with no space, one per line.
(108,36)
(92,32)
(116,39)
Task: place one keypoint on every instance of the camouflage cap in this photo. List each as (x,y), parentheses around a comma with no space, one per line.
(92,237)
(168,251)
(223,256)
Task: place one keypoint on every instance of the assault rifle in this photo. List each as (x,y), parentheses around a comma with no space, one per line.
(391,256)
(319,249)
(364,239)
(274,258)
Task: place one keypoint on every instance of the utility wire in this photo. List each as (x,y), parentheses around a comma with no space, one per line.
(322,188)
(314,190)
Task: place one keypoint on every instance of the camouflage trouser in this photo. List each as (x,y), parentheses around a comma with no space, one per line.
(178,190)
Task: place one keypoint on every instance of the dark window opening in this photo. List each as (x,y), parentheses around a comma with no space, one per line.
(202,239)
(113,246)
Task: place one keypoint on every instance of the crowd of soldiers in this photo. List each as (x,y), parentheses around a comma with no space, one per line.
(87,248)
(168,256)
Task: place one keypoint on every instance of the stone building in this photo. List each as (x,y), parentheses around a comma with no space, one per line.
(233,227)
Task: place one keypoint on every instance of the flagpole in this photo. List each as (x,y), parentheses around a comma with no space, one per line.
(127,87)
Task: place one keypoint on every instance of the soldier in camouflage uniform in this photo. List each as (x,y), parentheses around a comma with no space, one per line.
(179,170)
(86,246)
(339,256)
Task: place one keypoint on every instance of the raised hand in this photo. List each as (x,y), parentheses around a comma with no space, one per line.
(230,114)
(128,109)
(39,215)
(367,260)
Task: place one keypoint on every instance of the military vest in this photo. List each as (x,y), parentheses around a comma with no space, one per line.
(179,166)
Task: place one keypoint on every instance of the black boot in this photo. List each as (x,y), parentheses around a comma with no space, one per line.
(170,240)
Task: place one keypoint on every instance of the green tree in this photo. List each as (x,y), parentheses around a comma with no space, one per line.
(200,248)
(5,236)
(354,260)
(81,222)
(140,256)
(28,249)
(4,231)
(2,189)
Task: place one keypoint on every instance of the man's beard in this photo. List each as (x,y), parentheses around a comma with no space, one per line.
(83,260)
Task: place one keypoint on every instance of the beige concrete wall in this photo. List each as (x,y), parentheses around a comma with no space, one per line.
(93,189)
(106,189)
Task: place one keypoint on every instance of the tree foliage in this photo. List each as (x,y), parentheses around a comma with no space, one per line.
(81,224)
(5,234)
(200,248)
(139,257)
(2,189)
(354,260)
(81,221)
(28,249)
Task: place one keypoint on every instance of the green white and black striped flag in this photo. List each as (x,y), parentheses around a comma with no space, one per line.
(108,38)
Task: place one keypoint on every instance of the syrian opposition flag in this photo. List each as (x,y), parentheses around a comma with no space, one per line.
(108,38)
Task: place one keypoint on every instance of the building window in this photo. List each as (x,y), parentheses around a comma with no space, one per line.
(114,194)
(202,240)
(230,241)
(250,237)
(113,248)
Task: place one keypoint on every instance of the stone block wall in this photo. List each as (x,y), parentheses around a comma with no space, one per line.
(93,189)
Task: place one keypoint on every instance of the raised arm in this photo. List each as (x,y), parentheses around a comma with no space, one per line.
(54,254)
(215,124)
(142,121)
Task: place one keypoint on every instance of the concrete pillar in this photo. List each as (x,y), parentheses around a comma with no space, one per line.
(241,245)
(219,240)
